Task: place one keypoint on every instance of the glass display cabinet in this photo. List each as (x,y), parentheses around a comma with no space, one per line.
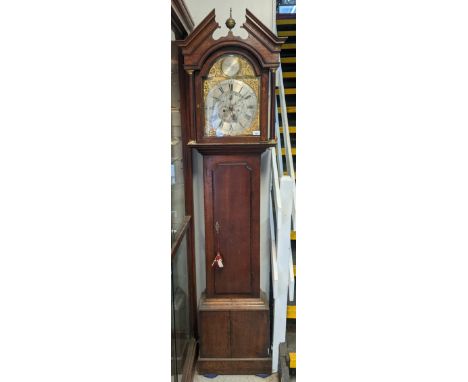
(182,333)
(183,308)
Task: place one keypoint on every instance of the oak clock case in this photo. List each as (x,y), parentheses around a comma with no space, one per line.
(231,96)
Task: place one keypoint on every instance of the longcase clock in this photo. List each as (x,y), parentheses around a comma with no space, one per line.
(231,109)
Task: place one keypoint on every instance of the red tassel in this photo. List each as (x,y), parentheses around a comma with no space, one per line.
(218,261)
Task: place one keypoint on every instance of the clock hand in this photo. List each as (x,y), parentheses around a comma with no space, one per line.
(235,103)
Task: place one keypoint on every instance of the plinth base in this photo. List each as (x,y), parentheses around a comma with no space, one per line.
(234,336)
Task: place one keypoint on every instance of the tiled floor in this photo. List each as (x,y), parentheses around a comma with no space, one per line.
(236,378)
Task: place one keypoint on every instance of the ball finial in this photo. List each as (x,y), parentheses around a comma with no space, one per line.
(230,22)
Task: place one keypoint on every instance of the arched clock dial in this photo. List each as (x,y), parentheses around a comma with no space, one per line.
(230,108)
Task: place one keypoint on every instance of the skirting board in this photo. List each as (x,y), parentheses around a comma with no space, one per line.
(239,366)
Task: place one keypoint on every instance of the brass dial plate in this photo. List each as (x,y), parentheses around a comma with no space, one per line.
(231,98)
